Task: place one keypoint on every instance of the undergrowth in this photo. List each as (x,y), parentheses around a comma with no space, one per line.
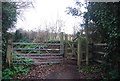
(90,69)
(17,69)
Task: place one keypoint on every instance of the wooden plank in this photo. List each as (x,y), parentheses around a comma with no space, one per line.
(69,53)
(99,61)
(22,60)
(8,55)
(41,57)
(73,49)
(75,39)
(101,44)
(73,58)
(61,42)
(40,63)
(103,53)
(36,43)
(41,60)
(79,53)
(36,49)
(66,41)
(39,54)
(83,51)
(47,62)
(69,48)
(83,60)
(87,49)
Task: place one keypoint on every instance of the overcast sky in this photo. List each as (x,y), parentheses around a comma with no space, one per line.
(46,12)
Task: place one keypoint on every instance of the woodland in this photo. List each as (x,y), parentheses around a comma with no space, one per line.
(101,25)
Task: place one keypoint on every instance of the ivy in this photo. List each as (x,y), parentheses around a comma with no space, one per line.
(106,18)
(8,19)
(105,28)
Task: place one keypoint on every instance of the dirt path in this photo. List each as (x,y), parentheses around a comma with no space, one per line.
(66,70)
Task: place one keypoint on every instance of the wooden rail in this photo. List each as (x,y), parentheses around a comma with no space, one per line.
(100,44)
(42,60)
(34,49)
(99,52)
(51,53)
(41,63)
(76,50)
(40,57)
(9,52)
(36,44)
(39,54)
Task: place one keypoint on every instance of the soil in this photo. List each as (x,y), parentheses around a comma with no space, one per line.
(65,70)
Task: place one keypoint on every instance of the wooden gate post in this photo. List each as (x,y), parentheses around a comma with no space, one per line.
(61,42)
(9,52)
(66,41)
(73,49)
(87,54)
(39,49)
(79,52)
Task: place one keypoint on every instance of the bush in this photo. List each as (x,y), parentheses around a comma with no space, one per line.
(114,74)
(14,70)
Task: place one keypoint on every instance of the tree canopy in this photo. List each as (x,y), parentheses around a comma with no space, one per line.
(103,24)
(9,18)
(9,14)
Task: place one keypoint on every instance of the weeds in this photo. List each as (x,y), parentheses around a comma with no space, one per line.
(17,69)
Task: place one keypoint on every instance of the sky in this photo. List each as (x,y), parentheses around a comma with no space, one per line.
(46,12)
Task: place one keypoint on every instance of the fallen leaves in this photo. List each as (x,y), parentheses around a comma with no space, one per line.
(64,70)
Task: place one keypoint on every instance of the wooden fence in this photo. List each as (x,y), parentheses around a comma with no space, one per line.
(77,49)
(99,52)
(73,48)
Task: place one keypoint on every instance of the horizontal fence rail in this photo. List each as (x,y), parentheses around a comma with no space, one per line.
(40,57)
(100,44)
(36,44)
(41,63)
(99,52)
(42,60)
(33,49)
(40,53)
